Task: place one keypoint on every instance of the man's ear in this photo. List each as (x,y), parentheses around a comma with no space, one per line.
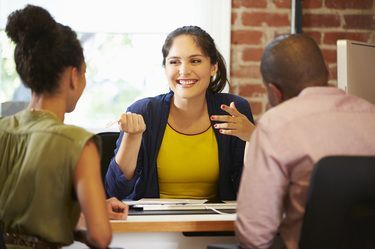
(275,95)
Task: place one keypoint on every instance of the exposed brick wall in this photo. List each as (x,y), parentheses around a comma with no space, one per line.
(256,22)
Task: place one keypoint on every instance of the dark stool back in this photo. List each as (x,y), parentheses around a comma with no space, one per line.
(340,209)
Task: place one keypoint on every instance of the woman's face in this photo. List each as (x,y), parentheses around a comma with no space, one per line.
(187,69)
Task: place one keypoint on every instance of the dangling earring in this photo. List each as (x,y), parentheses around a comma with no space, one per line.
(213,75)
(212,78)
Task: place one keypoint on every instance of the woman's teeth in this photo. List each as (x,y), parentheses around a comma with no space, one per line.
(186,82)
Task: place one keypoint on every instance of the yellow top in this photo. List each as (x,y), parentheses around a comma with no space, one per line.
(188,165)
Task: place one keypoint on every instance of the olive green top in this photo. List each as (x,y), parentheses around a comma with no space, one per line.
(38,156)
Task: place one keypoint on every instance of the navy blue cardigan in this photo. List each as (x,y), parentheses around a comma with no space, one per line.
(155,111)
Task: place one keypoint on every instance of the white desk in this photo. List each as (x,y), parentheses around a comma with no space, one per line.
(165,231)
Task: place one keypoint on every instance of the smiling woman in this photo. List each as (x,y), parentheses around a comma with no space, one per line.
(122,49)
(169,145)
(188,70)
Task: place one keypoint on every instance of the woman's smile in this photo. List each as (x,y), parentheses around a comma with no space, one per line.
(186,83)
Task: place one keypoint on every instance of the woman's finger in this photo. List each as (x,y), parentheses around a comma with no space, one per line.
(232,110)
(223,118)
(230,126)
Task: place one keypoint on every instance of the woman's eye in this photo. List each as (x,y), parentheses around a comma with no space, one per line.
(195,61)
(173,62)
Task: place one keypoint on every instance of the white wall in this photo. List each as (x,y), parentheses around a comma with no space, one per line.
(145,16)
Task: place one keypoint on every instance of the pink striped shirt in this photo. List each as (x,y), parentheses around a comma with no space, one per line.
(289,139)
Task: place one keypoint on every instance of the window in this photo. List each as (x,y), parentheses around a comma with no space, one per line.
(122,42)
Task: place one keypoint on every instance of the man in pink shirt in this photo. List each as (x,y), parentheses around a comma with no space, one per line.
(309,120)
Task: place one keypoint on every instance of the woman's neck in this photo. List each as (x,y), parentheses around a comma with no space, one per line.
(49,103)
(189,116)
(190,109)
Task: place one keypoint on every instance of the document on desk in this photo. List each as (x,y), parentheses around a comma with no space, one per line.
(181,204)
(161,201)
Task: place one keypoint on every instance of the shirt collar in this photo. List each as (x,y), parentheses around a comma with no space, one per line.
(321,90)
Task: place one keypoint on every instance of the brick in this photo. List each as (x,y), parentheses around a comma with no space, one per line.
(234,18)
(246,37)
(233,88)
(282,3)
(252,54)
(236,4)
(332,37)
(279,32)
(234,54)
(256,107)
(248,72)
(306,4)
(317,36)
(250,90)
(260,18)
(249,3)
(330,55)
(359,22)
(321,20)
(349,4)
(332,72)
(312,4)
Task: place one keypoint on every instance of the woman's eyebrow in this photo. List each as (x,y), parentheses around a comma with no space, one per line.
(190,56)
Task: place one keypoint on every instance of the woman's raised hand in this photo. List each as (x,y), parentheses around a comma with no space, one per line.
(132,123)
(234,124)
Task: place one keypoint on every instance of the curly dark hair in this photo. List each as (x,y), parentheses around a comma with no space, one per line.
(208,47)
(44,48)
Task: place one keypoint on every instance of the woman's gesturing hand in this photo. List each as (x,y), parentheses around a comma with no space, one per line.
(132,123)
(234,124)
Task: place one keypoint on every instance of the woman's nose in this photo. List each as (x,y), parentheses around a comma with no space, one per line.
(184,69)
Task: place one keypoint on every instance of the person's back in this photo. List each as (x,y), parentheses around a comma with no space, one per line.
(322,121)
(39,155)
(291,137)
(49,171)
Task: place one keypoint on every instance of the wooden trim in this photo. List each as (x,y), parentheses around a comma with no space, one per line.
(172,226)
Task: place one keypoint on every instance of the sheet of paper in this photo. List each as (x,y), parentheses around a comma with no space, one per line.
(188,206)
(157,201)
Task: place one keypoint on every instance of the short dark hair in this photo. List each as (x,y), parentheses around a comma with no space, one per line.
(43,48)
(208,47)
(293,62)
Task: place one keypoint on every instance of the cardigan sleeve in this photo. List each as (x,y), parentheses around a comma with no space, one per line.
(116,184)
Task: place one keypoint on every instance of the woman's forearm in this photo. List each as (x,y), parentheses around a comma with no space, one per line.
(127,154)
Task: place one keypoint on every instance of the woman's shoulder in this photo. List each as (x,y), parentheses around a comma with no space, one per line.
(40,122)
(74,137)
(71,132)
(149,103)
(241,103)
(229,97)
